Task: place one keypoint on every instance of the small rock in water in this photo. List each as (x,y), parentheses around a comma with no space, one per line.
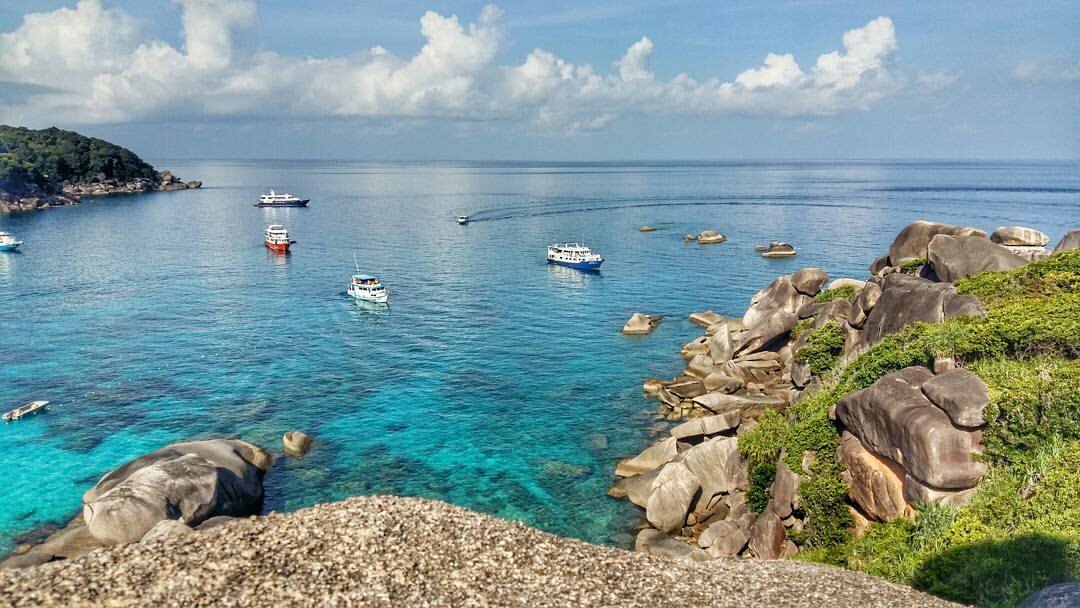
(647,228)
(296,443)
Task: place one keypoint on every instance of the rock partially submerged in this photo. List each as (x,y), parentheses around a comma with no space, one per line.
(296,443)
(640,324)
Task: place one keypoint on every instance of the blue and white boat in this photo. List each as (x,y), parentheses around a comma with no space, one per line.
(574,255)
(8,242)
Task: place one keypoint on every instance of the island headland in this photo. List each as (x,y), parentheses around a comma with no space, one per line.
(53,168)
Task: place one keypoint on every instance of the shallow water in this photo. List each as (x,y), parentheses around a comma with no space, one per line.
(493,381)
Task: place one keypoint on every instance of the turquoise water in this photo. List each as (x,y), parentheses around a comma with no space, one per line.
(493,381)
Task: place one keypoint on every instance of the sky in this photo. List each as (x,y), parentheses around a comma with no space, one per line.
(552,80)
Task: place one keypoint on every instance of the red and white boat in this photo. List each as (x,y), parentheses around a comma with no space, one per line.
(277,238)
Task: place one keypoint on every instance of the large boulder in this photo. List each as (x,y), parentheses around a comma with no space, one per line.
(808,281)
(780,295)
(1070,241)
(876,485)
(905,299)
(190,481)
(720,403)
(673,493)
(718,465)
(960,394)
(724,538)
(706,425)
(783,490)
(912,241)
(720,346)
(894,419)
(766,332)
(655,542)
(956,257)
(651,458)
(916,492)
(767,536)
(1061,595)
(1019,236)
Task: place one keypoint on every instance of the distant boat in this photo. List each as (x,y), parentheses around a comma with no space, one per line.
(276,238)
(463,219)
(8,242)
(26,410)
(273,199)
(574,255)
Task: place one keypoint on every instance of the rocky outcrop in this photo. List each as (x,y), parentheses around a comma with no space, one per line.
(960,394)
(673,493)
(640,324)
(71,194)
(187,481)
(956,257)
(911,243)
(904,300)
(894,419)
(651,458)
(874,483)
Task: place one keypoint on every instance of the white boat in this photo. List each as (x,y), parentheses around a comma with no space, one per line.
(463,219)
(8,242)
(276,238)
(367,288)
(574,255)
(26,410)
(273,199)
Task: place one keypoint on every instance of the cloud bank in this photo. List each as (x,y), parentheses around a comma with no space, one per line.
(90,64)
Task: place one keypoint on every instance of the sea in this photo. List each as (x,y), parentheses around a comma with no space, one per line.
(492,380)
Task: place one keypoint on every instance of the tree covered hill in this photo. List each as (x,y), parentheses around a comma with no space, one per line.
(44,160)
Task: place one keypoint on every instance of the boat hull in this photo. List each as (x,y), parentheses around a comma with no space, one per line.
(370,299)
(278,247)
(578,265)
(10,246)
(300,203)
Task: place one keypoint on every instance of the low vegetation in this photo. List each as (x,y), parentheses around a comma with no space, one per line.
(43,160)
(1022,531)
(837,293)
(823,348)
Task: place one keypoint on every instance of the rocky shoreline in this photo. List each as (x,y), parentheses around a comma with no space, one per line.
(72,194)
(911,437)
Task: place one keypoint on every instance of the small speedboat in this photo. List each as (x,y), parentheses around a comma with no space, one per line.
(8,242)
(463,219)
(276,238)
(27,410)
(574,255)
(273,199)
(367,288)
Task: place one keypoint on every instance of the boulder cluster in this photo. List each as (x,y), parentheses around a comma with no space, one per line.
(911,437)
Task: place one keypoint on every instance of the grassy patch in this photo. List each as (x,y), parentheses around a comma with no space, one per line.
(823,348)
(839,293)
(912,266)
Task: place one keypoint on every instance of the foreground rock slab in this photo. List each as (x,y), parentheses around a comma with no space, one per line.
(387,551)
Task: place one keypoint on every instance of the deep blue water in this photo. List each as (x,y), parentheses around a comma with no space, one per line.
(493,381)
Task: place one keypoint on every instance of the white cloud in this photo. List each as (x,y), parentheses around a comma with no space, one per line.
(932,82)
(107,72)
(1031,71)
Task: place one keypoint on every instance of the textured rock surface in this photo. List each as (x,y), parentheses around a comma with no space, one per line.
(873,484)
(1061,595)
(906,299)
(779,295)
(893,419)
(706,425)
(956,257)
(296,443)
(783,490)
(640,324)
(190,481)
(767,331)
(386,551)
(961,394)
(912,241)
(767,536)
(673,492)
(718,464)
(1071,240)
(1019,236)
(651,458)
(655,542)
(724,539)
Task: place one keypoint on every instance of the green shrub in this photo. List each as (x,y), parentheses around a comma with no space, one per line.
(839,293)
(823,348)
(912,266)
(757,494)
